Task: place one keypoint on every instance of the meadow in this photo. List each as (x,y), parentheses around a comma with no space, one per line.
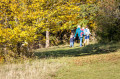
(94,61)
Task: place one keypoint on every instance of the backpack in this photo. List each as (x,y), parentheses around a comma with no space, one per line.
(86,32)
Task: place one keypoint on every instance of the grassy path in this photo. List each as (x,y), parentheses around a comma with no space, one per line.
(95,61)
(105,66)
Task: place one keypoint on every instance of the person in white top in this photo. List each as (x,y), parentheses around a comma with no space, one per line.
(87,35)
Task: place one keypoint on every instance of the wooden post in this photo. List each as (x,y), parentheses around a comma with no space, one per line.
(47,38)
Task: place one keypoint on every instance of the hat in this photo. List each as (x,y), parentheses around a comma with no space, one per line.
(78,26)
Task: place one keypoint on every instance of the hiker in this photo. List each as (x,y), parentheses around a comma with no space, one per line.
(87,35)
(80,34)
(71,40)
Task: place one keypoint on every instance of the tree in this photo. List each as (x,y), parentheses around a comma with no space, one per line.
(108,21)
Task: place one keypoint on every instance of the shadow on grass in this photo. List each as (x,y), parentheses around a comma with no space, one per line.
(77,51)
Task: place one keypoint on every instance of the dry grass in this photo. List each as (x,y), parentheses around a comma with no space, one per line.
(38,69)
(112,57)
(62,62)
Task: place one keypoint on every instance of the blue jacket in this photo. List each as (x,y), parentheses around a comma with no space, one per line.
(78,31)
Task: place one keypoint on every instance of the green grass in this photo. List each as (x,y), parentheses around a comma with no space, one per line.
(104,66)
(66,51)
(94,61)
(90,71)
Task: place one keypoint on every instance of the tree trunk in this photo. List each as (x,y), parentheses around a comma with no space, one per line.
(18,48)
(47,38)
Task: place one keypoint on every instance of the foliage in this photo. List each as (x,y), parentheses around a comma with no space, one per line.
(108,18)
(23,23)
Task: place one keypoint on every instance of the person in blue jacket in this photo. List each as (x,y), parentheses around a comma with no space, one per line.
(80,34)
